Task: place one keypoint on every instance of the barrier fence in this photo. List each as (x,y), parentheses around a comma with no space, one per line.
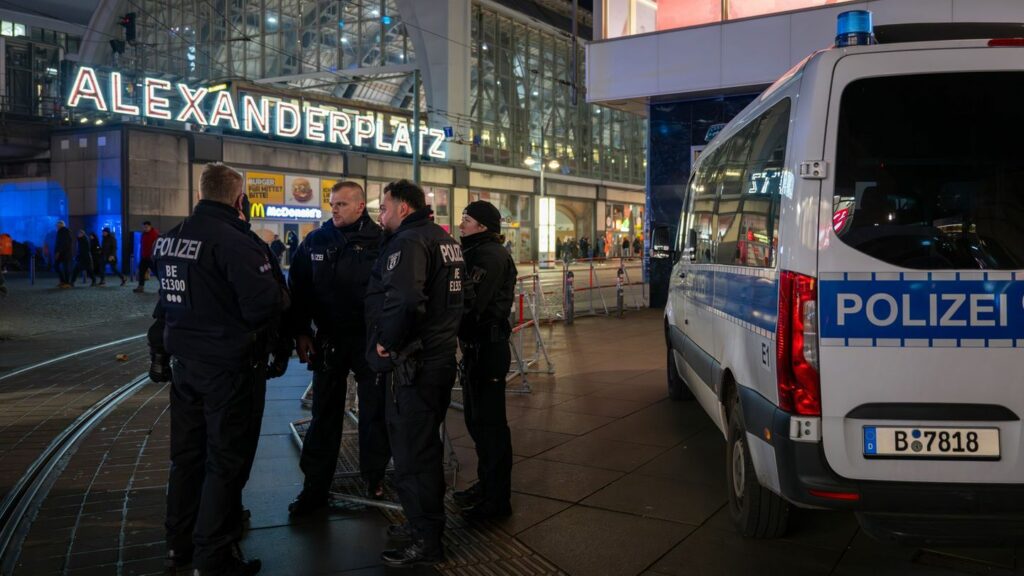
(589,286)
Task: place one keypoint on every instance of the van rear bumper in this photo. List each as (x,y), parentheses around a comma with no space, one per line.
(899,509)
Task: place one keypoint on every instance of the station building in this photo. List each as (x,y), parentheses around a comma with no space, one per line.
(128,99)
(689,66)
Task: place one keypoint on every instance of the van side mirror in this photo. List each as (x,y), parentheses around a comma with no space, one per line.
(661,243)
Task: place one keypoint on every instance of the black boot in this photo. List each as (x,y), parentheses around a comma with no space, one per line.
(306,504)
(401,532)
(415,554)
(236,565)
(470,496)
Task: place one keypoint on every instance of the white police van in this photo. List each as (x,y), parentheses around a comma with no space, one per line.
(848,300)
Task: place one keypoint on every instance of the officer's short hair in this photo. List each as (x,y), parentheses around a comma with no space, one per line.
(220,183)
(349,184)
(408,192)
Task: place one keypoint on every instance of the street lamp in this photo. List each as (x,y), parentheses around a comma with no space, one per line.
(545,212)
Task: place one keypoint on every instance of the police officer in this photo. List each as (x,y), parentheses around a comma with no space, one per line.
(218,298)
(329,274)
(269,362)
(414,303)
(484,335)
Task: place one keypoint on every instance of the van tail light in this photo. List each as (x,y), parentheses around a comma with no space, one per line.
(1005,42)
(796,345)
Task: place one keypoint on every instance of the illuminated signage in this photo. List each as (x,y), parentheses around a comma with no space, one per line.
(216,107)
(258,210)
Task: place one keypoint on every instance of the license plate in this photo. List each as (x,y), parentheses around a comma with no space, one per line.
(931,442)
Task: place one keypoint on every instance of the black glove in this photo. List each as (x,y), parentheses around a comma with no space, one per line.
(278,364)
(159,367)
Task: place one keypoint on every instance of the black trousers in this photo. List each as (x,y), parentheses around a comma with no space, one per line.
(145,264)
(211,416)
(63,267)
(486,370)
(259,402)
(82,266)
(415,411)
(102,271)
(323,437)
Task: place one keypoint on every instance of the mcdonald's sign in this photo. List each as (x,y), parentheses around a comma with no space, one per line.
(257,210)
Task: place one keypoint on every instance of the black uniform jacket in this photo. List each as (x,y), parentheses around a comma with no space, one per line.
(492,284)
(62,248)
(328,279)
(217,288)
(109,249)
(415,295)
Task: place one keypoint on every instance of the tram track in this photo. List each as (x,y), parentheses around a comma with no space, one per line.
(41,473)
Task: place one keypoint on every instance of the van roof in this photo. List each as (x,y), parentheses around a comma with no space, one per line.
(939,31)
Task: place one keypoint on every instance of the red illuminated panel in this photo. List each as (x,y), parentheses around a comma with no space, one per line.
(683,13)
(749,8)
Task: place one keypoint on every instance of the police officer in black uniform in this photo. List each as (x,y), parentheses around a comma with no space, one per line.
(328,278)
(484,335)
(414,304)
(218,299)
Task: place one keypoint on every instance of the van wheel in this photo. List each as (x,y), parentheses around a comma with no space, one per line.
(756,511)
(677,388)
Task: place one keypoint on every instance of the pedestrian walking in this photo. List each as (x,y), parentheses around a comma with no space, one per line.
(625,247)
(83,259)
(483,336)
(414,304)
(63,253)
(149,236)
(108,257)
(219,300)
(328,279)
(94,251)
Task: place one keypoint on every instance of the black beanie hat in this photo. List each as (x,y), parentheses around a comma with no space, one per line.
(486,214)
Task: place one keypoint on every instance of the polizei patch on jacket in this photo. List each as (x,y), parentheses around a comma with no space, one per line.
(393,260)
(177,248)
(451,254)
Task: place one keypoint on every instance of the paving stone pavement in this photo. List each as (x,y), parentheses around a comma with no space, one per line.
(610,478)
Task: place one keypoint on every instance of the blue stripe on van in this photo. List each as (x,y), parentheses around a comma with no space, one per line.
(749,298)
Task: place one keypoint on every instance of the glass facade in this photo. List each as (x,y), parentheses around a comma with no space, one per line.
(522,105)
(629,17)
(517,223)
(206,40)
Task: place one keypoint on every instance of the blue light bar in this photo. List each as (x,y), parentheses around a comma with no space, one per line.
(385,20)
(854,28)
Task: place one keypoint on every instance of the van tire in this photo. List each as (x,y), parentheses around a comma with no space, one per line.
(756,511)
(677,388)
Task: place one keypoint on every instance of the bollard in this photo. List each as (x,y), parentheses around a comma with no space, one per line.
(619,292)
(570,298)
(31,268)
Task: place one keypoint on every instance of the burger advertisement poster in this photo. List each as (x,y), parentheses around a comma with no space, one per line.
(301,191)
(265,187)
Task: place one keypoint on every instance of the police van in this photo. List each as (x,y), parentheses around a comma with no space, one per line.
(847,303)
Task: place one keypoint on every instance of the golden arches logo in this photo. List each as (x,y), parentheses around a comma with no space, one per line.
(257,210)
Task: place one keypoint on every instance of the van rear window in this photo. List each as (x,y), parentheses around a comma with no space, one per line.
(930,170)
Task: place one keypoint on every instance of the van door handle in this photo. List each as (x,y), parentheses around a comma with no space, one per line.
(682,274)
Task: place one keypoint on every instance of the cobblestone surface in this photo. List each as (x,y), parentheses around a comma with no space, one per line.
(91,314)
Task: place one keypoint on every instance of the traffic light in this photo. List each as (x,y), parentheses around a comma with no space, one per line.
(128,21)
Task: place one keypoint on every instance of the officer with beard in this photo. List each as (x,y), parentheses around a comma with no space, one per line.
(219,300)
(414,303)
(328,277)
(486,356)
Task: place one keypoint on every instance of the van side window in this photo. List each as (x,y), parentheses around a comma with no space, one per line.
(738,224)
(763,180)
(701,205)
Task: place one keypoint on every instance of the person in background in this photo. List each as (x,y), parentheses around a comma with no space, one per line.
(149,236)
(108,257)
(277,247)
(63,252)
(638,245)
(83,259)
(94,251)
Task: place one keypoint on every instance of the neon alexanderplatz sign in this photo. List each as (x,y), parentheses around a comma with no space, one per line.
(251,114)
